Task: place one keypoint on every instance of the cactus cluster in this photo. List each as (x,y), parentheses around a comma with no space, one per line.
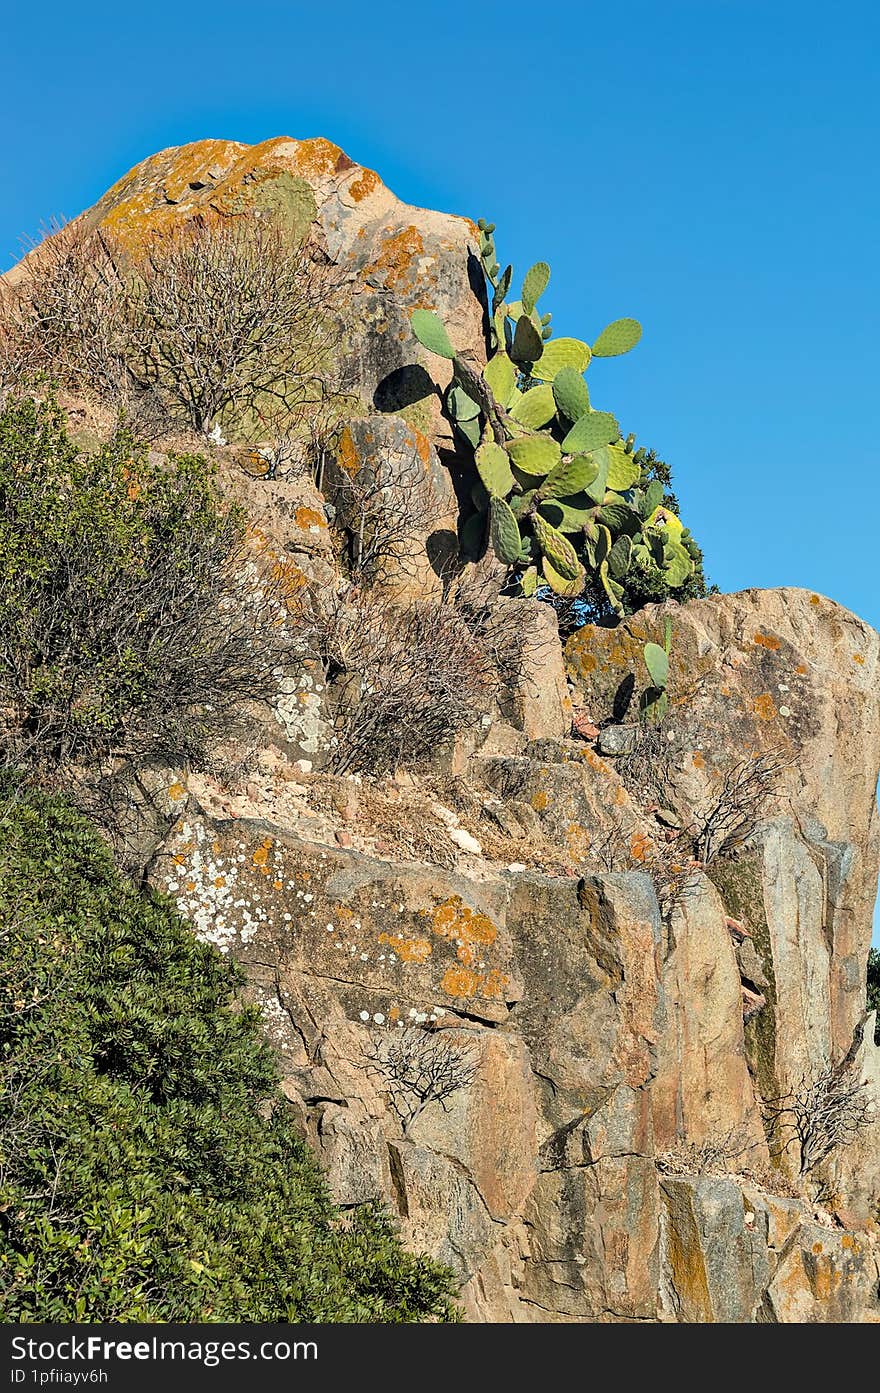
(559,493)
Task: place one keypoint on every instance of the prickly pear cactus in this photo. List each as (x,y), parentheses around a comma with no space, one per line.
(561,495)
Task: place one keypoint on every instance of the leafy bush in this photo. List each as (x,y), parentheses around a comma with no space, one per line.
(134,623)
(149,1170)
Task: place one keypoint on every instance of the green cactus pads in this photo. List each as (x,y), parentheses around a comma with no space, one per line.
(535,408)
(473,536)
(504,532)
(431,333)
(500,374)
(527,342)
(559,354)
(571,393)
(623,471)
(534,454)
(653,498)
(662,517)
(617,338)
(535,283)
(677,564)
(657,663)
(461,406)
(493,467)
(558,549)
(571,476)
(567,515)
(528,582)
(470,430)
(596,428)
(620,556)
(613,589)
(596,490)
(559,583)
(620,517)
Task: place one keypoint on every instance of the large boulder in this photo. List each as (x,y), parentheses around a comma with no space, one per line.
(395,258)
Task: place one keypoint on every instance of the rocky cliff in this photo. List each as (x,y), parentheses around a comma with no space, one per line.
(506,1001)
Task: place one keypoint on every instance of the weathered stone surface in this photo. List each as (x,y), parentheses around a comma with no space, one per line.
(715,1260)
(539,703)
(617,740)
(824,1276)
(703,1091)
(786,672)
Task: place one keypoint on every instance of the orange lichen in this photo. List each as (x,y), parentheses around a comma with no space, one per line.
(317,158)
(578,840)
(802,669)
(365,183)
(620,798)
(309,517)
(698,761)
(179,860)
(409,950)
(291,582)
(176,792)
(857,658)
(815,600)
(423,447)
(639,846)
(261,855)
(347,454)
(277,884)
(461,982)
(541,801)
(394,265)
(494,985)
(394,1013)
(766,641)
(455,920)
(764,707)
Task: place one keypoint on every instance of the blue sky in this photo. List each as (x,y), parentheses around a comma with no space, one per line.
(708,166)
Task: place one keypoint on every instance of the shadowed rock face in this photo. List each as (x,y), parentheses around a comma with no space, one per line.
(519,1053)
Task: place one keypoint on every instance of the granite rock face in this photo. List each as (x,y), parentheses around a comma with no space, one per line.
(600,1154)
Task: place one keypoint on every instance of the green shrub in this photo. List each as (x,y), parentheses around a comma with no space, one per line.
(132,624)
(149,1169)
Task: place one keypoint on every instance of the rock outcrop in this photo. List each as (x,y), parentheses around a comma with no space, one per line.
(506,1002)
(603,1157)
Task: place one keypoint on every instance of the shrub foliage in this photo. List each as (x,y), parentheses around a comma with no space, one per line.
(149,1169)
(133,623)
